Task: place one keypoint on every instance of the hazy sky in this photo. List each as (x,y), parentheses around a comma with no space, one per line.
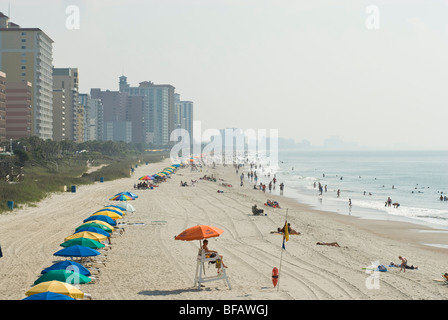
(311,69)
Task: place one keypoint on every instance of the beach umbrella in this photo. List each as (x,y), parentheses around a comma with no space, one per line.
(103,218)
(96,225)
(85,242)
(94,229)
(127,193)
(76,251)
(68,265)
(146,178)
(176,165)
(66,276)
(199,232)
(114,207)
(110,214)
(104,223)
(122,197)
(126,206)
(114,210)
(87,234)
(48,295)
(56,287)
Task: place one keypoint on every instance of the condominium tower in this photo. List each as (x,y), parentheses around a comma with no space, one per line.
(26,56)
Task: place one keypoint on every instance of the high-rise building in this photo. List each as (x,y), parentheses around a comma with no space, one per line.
(135,113)
(68,79)
(93,114)
(158,111)
(26,56)
(59,115)
(2,106)
(98,108)
(114,121)
(18,109)
(183,115)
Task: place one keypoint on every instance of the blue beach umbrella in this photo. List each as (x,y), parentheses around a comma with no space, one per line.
(48,295)
(127,193)
(76,251)
(94,229)
(68,265)
(104,218)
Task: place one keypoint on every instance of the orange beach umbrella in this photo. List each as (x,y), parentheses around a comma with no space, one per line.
(199,232)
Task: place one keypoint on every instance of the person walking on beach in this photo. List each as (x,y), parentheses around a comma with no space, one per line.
(281,188)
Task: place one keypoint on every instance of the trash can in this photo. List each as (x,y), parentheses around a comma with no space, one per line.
(101,179)
(10,205)
(73,188)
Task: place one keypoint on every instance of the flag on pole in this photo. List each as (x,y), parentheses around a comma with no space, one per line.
(285,234)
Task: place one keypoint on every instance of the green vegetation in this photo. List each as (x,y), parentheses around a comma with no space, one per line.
(48,166)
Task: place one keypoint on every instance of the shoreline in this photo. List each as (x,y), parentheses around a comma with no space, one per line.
(147,263)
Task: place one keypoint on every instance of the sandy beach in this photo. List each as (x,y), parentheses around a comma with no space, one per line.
(146,263)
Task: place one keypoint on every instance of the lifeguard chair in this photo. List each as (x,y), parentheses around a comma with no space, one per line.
(200,269)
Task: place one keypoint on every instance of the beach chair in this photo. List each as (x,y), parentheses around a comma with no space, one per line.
(200,277)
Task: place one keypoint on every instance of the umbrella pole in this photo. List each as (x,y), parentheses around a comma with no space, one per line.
(200,246)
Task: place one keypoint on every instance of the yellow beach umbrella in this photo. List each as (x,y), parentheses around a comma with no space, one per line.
(111,214)
(120,212)
(87,234)
(56,287)
(103,223)
(116,208)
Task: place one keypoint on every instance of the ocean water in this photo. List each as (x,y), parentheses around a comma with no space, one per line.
(414,179)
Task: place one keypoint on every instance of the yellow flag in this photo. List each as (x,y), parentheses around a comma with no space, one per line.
(286,231)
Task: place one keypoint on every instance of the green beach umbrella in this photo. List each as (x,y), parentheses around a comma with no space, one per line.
(63,275)
(85,242)
(95,225)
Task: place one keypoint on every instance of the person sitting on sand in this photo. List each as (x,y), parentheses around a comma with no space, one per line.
(445,276)
(333,244)
(256,211)
(207,250)
(290,230)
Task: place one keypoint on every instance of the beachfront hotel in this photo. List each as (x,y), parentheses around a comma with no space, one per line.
(18,109)
(158,111)
(183,115)
(67,79)
(2,106)
(26,56)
